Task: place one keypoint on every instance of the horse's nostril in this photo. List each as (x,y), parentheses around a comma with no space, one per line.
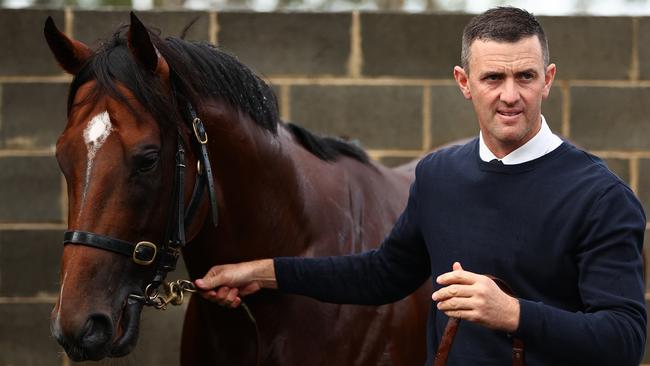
(96,335)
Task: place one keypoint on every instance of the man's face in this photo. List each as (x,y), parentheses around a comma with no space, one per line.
(506,83)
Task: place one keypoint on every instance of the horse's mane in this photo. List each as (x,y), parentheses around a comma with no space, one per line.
(197,70)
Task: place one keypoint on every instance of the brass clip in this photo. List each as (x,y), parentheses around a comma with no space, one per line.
(173,293)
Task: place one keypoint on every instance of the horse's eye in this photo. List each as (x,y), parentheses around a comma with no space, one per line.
(147,163)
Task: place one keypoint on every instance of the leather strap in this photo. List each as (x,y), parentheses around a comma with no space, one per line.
(445,343)
(442,354)
(197,194)
(99,241)
(149,252)
(178,240)
(202,138)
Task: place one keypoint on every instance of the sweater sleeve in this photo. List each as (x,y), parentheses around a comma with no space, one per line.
(394,270)
(612,328)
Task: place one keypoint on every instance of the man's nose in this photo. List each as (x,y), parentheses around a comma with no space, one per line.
(510,92)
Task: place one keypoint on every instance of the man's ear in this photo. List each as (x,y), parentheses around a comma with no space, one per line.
(462,79)
(549,76)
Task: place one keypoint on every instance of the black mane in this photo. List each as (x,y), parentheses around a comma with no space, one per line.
(197,70)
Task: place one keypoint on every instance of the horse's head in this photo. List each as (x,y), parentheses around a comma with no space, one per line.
(119,163)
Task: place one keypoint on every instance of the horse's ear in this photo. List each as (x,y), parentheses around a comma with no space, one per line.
(70,54)
(143,49)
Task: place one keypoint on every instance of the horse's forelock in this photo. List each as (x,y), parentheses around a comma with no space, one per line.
(113,65)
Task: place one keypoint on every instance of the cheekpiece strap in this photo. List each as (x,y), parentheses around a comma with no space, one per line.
(202,138)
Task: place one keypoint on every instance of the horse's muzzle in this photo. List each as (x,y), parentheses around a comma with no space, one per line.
(91,342)
(100,336)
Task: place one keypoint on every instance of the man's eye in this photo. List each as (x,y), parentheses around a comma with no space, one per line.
(492,77)
(527,76)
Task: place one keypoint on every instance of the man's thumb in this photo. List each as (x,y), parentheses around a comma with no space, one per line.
(208,282)
(457,267)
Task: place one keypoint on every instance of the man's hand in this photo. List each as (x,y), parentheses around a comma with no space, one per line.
(474,297)
(225,284)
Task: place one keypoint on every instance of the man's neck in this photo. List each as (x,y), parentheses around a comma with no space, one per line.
(541,143)
(502,149)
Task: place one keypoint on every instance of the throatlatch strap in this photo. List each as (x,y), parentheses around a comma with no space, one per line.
(195,200)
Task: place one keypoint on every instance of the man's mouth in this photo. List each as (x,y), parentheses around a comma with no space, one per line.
(509,113)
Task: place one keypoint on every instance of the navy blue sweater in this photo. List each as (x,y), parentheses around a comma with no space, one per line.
(562,230)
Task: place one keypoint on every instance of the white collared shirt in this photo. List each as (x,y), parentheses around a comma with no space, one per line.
(541,144)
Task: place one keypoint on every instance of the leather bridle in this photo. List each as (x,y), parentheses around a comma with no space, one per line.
(164,257)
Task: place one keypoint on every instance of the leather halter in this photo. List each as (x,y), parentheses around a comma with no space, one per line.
(164,257)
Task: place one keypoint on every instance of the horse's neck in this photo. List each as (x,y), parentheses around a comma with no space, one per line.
(277,199)
(260,200)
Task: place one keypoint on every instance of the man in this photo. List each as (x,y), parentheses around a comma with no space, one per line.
(517,203)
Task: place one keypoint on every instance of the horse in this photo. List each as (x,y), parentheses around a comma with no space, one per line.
(176,142)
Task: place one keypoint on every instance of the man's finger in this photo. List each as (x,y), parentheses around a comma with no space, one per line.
(458,277)
(208,295)
(456,266)
(210,280)
(455,304)
(236,302)
(232,295)
(469,315)
(452,291)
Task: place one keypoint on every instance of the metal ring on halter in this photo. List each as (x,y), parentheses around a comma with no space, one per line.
(147,298)
(151,293)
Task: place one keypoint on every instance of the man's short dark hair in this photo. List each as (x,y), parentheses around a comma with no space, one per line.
(502,24)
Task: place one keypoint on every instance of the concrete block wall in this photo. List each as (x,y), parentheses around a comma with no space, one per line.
(381,78)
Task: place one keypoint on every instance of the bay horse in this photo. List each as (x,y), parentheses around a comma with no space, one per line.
(135,150)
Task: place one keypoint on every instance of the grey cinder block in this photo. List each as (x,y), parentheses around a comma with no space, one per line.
(288,43)
(381,117)
(24,50)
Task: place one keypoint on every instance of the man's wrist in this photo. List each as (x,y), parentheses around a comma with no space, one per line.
(264,273)
(513,321)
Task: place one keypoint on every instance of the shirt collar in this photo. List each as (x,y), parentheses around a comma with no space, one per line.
(541,144)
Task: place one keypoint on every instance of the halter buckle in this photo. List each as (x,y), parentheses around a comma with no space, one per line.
(144,253)
(199,131)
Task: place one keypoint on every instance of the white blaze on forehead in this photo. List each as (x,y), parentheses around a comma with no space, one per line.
(97,131)
(95,134)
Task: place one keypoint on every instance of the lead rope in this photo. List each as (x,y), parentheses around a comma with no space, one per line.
(452,327)
(173,293)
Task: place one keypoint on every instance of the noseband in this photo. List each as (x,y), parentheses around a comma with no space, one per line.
(164,257)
